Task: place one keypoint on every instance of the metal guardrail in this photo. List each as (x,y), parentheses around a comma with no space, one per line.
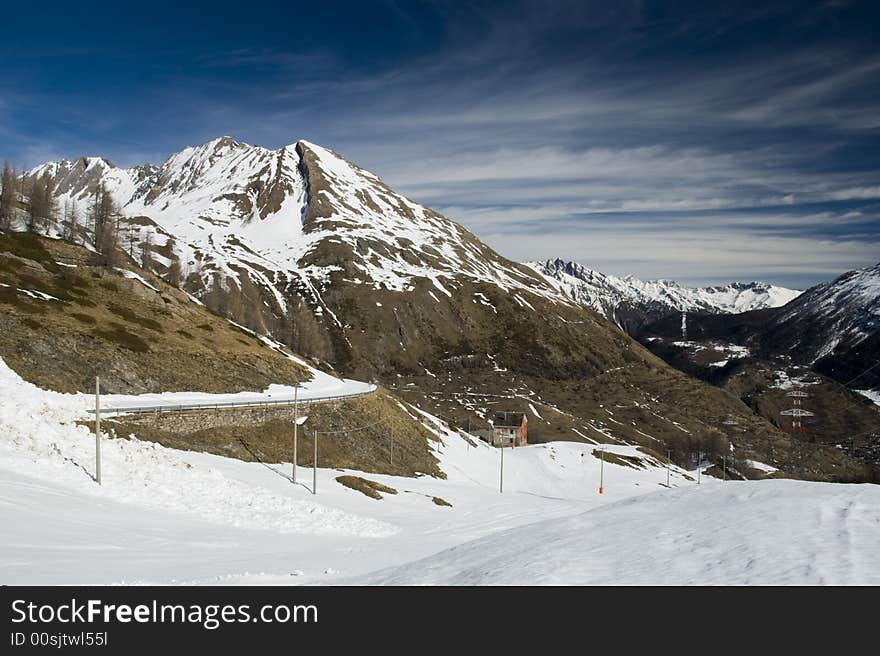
(159,409)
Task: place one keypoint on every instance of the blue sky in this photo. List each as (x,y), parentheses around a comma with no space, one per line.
(689,140)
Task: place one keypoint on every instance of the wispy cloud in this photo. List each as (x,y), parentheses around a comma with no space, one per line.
(631,136)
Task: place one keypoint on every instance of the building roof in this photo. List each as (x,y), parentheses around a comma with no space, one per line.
(508,419)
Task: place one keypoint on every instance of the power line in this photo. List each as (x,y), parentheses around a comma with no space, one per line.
(855,395)
(873,366)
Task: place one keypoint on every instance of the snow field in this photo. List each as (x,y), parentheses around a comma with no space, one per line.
(169,516)
(159,507)
(741,533)
(41,439)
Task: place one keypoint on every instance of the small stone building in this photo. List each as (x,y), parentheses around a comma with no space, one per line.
(510,429)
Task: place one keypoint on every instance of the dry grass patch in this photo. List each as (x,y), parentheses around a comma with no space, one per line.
(266,435)
(83,318)
(137,339)
(371,488)
(119,335)
(618,459)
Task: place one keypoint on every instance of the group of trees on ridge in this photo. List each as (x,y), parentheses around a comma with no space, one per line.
(31,201)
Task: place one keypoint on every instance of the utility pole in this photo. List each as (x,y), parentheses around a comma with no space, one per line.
(668,462)
(602,470)
(501,484)
(315,467)
(699,462)
(295,425)
(98,429)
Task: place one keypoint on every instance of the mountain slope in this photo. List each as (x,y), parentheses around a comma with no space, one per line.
(825,343)
(301,244)
(630,302)
(63,321)
(833,328)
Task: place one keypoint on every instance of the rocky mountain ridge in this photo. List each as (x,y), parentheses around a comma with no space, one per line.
(630,302)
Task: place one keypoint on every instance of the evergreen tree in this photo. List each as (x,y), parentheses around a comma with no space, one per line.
(35,202)
(49,202)
(7,196)
(42,204)
(132,238)
(22,188)
(106,217)
(73,222)
(98,214)
(175,271)
(217,298)
(108,249)
(147,252)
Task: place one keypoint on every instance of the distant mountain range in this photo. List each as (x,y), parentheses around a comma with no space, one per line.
(824,343)
(833,328)
(631,303)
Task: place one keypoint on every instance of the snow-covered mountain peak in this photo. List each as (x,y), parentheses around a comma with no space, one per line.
(82,163)
(334,164)
(296,212)
(845,311)
(628,300)
(304,212)
(392,240)
(204,155)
